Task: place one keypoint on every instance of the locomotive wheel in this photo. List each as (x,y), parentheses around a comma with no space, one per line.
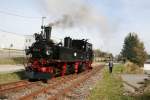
(57,72)
(44,80)
(32,80)
(81,68)
(72,69)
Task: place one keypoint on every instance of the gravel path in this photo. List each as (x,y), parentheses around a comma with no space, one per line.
(83,91)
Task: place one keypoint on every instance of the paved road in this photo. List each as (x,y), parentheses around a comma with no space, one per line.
(134,80)
(10,68)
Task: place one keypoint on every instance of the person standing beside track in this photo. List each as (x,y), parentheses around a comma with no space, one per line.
(110,64)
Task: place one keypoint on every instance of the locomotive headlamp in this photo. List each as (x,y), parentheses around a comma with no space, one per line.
(75,54)
(48,51)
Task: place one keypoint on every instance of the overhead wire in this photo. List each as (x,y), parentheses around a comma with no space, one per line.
(5,31)
(18,15)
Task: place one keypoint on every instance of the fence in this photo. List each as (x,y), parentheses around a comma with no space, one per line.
(11,53)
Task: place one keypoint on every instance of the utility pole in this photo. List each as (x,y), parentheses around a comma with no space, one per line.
(11,45)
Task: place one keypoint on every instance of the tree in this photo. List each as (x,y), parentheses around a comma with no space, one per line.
(97,53)
(148,57)
(133,49)
(119,57)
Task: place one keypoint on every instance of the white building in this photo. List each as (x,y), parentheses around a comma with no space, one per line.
(29,39)
(11,41)
(147,67)
(14,41)
(18,42)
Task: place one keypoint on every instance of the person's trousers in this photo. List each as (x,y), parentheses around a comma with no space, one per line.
(110,69)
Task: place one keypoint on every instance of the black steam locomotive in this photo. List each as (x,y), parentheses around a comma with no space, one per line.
(48,59)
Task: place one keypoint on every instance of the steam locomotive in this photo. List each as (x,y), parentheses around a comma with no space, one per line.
(48,59)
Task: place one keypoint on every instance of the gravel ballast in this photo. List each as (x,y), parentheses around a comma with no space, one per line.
(83,91)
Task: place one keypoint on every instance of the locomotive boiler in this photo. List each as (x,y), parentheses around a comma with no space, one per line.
(48,59)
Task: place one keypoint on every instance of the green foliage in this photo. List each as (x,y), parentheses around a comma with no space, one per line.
(119,58)
(148,56)
(97,52)
(102,56)
(133,50)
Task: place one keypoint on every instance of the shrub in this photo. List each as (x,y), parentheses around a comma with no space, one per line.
(132,68)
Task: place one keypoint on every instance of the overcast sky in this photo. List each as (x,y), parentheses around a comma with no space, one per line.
(104,22)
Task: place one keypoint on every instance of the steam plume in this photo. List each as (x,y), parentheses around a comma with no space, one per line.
(75,13)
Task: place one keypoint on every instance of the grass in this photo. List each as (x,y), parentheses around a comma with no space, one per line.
(110,87)
(11,77)
(13,61)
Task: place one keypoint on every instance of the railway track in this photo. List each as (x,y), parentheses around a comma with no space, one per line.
(14,85)
(55,88)
(56,91)
(73,85)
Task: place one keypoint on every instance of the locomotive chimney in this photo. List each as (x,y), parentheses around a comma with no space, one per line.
(48,32)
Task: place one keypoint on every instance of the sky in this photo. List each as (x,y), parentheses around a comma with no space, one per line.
(105,23)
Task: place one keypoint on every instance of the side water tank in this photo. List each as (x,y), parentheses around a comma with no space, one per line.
(67,42)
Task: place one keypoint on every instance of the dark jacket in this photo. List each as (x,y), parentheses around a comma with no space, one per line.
(110,64)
